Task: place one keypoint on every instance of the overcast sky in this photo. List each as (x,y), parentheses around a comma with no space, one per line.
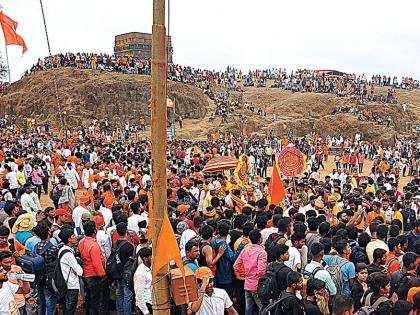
(372,37)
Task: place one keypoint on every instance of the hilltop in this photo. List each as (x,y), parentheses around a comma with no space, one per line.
(86,94)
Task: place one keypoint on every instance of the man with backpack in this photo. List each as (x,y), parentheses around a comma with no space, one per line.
(93,268)
(408,269)
(288,303)
(274,281)
(316,270)
(45,248)
(70,271)
(124,250)
(342,271)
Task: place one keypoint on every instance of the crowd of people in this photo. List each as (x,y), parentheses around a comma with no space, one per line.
(74,210)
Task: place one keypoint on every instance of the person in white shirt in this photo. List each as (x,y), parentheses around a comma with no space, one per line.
(7,289)
(87,171)
(11,176)
(70,270)
(135,218)
(146,179)
(78,213)
(211,300)
(296,242)
(72,177)
(30,200)
(143,282)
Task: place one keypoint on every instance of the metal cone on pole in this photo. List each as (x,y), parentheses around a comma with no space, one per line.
(158,130)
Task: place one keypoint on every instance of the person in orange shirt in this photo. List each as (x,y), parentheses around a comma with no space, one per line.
(392,264)
(376,212)
(345,160)
(383,166)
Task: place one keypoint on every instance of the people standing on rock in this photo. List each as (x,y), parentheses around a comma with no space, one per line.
(180,121)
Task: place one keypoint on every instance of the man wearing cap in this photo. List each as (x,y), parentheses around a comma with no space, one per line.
(78,212)
(29,200)
(211,301)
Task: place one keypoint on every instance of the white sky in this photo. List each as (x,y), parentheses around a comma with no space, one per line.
(372,37)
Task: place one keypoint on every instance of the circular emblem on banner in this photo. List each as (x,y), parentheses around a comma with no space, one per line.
(291,162)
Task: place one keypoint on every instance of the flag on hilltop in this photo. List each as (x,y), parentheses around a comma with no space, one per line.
(275,187)
(9,27)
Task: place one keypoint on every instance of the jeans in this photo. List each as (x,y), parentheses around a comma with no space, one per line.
(46,302)
(93,287)
(239,292)
(70,302)
(124,298)
(251,300)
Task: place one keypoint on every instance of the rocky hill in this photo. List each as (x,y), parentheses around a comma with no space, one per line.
(86,94)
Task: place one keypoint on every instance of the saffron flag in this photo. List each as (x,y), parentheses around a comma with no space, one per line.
(166,248)
(275,187)
(9,27)
(91,196)
(216,135)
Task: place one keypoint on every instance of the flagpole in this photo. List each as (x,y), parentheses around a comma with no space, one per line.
(158,137)
(7,61)
(60,112)
(7,54)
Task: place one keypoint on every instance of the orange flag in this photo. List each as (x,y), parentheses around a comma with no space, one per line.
(9,27)
(275,187)
(217,135)
(91,196)
(166,248)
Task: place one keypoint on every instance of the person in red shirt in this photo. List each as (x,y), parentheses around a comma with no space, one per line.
(392,264)
(93,267)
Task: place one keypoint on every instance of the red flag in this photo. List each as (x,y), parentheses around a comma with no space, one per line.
(275,188)
(9,27)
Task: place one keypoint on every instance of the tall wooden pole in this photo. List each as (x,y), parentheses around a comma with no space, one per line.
(57,98)
(158,129)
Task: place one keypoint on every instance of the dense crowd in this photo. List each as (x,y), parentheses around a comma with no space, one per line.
(74,212)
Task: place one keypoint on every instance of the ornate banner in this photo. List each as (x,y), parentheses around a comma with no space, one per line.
(291,162)
(242,170)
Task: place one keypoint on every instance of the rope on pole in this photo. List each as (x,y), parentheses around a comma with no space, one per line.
(51,60)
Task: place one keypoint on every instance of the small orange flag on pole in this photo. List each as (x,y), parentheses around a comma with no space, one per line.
(166,248)
(91,196)
(9,27)
(275,187)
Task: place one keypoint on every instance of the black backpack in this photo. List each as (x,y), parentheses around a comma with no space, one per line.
(268,289)
(272,241)
(276,307)
(56,193)
(56,282)
(130,268)
(114,267)
(309,275)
